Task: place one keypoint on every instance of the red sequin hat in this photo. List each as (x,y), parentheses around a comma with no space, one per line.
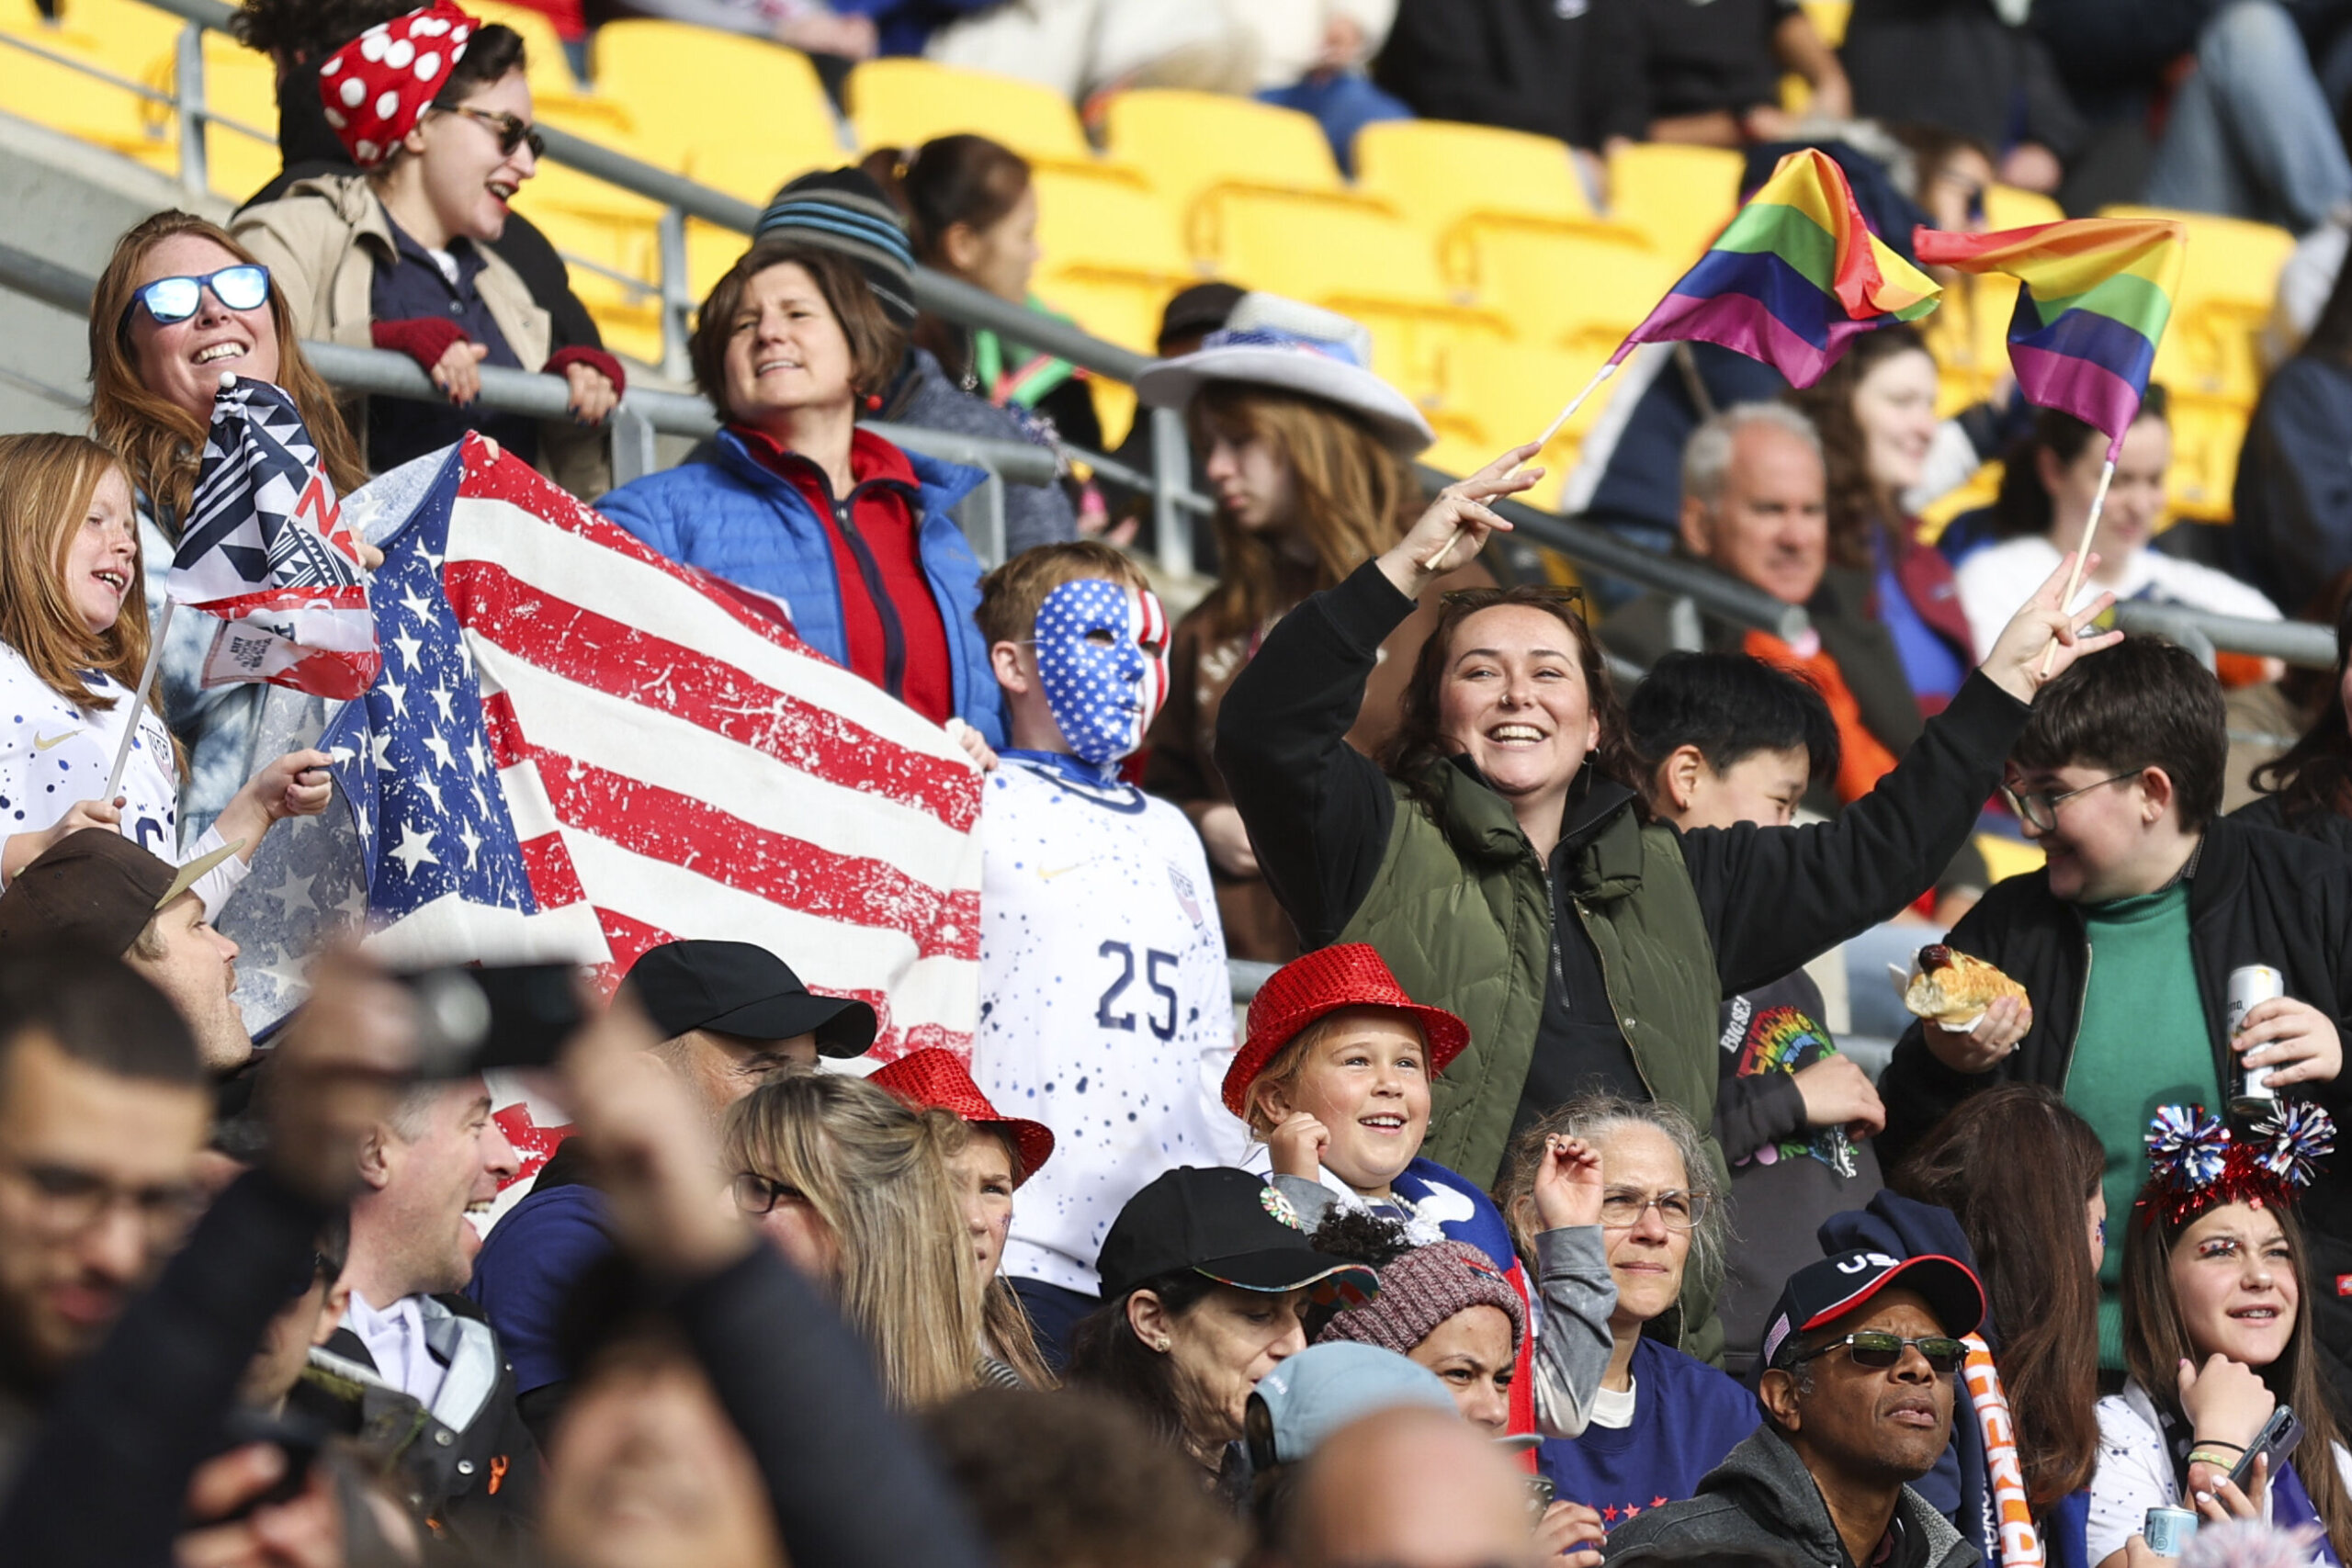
(2195,1162)
(934,1079)
(1348,976)
(377,87)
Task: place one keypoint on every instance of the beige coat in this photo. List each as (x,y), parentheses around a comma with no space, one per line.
(322,242)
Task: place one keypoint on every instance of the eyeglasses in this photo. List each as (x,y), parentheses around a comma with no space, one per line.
(511,132)
(241,288)
(2039,808)
(1622,1209)
(1531,592)
(68,1201)
(757,1194)
(1879,1348)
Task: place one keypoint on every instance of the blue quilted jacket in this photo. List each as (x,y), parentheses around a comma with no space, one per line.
(732,515)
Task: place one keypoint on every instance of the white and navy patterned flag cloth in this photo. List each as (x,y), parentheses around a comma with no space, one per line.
(578,750)
(265,548)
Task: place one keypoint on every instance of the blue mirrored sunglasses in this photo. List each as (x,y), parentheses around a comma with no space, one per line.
(169,299)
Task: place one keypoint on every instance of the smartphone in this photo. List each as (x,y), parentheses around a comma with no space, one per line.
(471,1019)
(2277,1440)
(298,1437)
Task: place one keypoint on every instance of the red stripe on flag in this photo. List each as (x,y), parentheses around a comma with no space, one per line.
(620,661)
(695,836)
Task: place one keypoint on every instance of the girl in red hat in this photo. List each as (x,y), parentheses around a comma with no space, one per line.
(1335,1079)
(988,1155)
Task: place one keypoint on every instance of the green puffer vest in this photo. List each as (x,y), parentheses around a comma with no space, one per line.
(1462,913)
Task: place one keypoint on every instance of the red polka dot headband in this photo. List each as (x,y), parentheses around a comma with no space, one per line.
(377,87)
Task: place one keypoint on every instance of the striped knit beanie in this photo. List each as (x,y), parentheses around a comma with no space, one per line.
(844,211)
(1421,1289)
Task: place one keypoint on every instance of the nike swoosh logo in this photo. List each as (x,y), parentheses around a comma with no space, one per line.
(42,743)
(1049,875)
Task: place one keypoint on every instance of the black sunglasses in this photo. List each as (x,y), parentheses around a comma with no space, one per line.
(241,288)
(1879,1348)
(511,132)
(757,1194)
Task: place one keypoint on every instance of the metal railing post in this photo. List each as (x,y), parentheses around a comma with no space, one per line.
(982,517)
(633,450)
(1171,476)
(677,305)
(187,65)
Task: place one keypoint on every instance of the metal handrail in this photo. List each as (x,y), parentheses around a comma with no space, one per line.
(2202,633)
(1174,502)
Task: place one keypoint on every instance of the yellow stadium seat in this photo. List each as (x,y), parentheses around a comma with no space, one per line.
(1112,254)
(905,102)
(1829,19)
(1500,394)
(558,95)
(1969,335)
(2228,278)
(132,35)
(1359,262)
(1114,408)
(2206,436)
(2006,857)
(1577,293)
(57,96)
(686,88)
(1681,196)
(1196,148)
(2012,207)
(752,169)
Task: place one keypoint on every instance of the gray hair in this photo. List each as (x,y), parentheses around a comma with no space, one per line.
(1706,456)
(1595,1118)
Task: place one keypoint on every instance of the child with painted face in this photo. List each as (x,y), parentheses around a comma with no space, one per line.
(1335,1080)
(1105,1009)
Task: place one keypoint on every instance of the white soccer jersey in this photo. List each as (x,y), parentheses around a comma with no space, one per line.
(54,753)
(1105,1009)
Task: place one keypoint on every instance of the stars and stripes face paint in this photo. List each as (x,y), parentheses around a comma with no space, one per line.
(1102,660)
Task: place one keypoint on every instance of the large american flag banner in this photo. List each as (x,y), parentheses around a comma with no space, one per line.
(578,750)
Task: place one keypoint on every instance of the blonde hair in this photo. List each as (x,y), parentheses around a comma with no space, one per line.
(160,441)
(1350,496)
(1005,1329)
(47,483)
(1288,1066)
(876,1174)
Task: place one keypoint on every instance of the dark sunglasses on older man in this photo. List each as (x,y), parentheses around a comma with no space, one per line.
(169,299)
(511,132)
(1879,1348)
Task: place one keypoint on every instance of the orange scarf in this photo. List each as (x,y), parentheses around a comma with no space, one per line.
(1862,760)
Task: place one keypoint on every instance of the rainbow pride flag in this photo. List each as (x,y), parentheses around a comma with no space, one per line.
(2094,295)
(1795,277)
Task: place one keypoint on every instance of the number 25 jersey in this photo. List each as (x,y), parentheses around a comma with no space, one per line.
(1105,1009)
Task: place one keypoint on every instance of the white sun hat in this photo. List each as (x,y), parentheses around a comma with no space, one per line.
(1270,341)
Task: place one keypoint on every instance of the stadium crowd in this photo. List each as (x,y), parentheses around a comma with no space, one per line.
(1533,1212)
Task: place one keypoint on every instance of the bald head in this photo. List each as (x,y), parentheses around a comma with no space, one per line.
(1410,1489)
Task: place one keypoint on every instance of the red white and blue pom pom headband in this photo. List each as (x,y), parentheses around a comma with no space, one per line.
(2194,1164)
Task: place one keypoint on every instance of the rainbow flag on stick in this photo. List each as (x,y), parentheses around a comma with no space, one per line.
(2094,295)
(1793,277)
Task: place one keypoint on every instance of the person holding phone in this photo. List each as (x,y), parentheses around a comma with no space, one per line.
(2217,1331)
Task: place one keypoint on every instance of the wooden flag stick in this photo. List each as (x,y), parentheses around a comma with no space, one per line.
(138,703)
(2082,558)
(1437,561)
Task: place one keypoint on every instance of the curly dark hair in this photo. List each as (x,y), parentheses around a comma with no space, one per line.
(1858,507)
(1359,1237)
(297,31)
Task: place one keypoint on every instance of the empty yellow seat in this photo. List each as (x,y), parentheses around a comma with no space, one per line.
(1195,148)
(2228,278)
(905,102)
(1112,254)
(1499,394)
(753,169)
(2206,433)
(687,88)
(132,35)
(1577,293)
(2012,207)
(1829,19)
(1681,196)
(1436,174)
(55,95)
(558,97)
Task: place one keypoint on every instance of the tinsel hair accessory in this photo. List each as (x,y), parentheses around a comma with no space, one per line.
(2195,1163)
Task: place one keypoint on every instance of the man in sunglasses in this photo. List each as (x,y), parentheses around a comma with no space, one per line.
(1861,1359)
(2118,778)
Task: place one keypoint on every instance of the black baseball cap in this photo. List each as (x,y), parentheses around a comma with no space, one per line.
(98,887)
(737,987)
(1226,1223)
(1845,1281)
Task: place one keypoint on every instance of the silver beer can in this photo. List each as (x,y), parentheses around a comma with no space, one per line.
(2249,986)
(2167,1530)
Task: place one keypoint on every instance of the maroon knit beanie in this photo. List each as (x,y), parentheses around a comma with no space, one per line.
(1421,1289)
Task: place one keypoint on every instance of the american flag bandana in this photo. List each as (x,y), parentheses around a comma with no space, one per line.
(265,550)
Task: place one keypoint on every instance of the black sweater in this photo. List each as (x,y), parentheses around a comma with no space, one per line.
(2258,896)
(1565,68)
(1319,814)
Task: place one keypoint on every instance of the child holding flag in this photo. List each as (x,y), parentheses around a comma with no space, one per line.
(72,643)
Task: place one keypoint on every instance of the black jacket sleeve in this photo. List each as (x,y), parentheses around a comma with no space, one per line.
(105,1482)
(1751,1112)
(1777,898)
(1317,809)
(851,1485)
